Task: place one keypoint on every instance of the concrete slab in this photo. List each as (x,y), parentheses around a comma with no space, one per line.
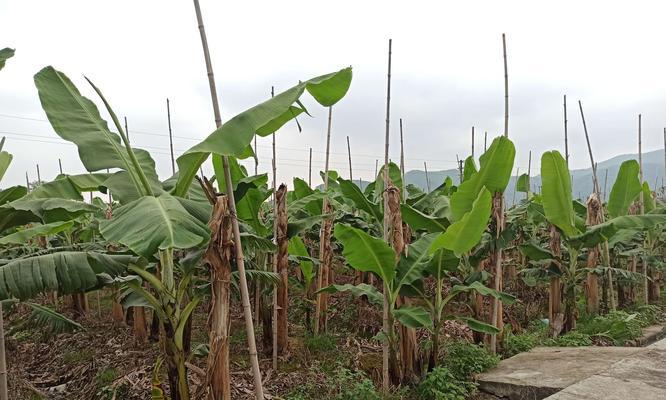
(639,376)
(544,371)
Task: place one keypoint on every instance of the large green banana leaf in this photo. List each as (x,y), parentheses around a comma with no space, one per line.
(648,200)
(5,159)
(234,136)
(154,223)
(366,253)
(5,54)
(625,190)
(12,193)
(494,173)
(76,119)
(523,183)
(412,267)
(352,192)
(297,248)
(556,192)
(466,233)
(418,220)
(610,228)
(470,168)
(24,235)
(65,272)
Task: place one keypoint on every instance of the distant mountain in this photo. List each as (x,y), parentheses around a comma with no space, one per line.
(653,173)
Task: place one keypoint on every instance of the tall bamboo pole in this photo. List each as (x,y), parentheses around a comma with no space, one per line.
(386,325)
(173,160)
(240,261)
(60,166)
(515,186)
(39,176)
(376,167)
(351,176)
(498,204)
(275,258)
(322,275)
(641,204)
(605,185)
(566,134)
(472,142)
(27,181)
(310,169)
(485,141)
(606,255)
(425,167)
(402,165)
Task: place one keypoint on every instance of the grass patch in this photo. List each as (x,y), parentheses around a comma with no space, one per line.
(77,356)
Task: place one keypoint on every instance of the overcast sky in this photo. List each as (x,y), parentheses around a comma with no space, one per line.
(447,75)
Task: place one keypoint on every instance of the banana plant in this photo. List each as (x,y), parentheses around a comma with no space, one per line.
(559,211)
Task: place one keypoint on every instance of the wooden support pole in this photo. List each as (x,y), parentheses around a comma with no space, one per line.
(472,141)
(387,325)
(566,134)
(173,159)
(403,195)
(240,260)
(425,167)
(351,176)
(310,169)
(39,176)
(60,166)
(485,141)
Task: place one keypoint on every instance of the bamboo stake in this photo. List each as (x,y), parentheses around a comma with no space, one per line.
(173,160)
(310,169)
(321,279)
(485,141)
(376,165)
(566,135)
(402,165)
(472,142)
(27,181)
(515,186)
(386,325)
(497,319)
(605,185)
(425,167)
(350,162)
(60,166)
(275,258)
(606,257)
(256,156)
(641,204)
(39,176)
(240,261)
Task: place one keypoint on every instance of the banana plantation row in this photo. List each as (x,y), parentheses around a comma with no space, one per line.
(169,248)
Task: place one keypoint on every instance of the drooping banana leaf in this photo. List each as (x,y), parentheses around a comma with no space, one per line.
(608,229)
(366,253)
(413,317)
(626,188)
(24,235)
(362,289)
(494,173)
(556,192)
(12,193)
(234,136)
(154,223)
(5,159)
(648,200)
(418,220)
(64,272)
(76,119)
